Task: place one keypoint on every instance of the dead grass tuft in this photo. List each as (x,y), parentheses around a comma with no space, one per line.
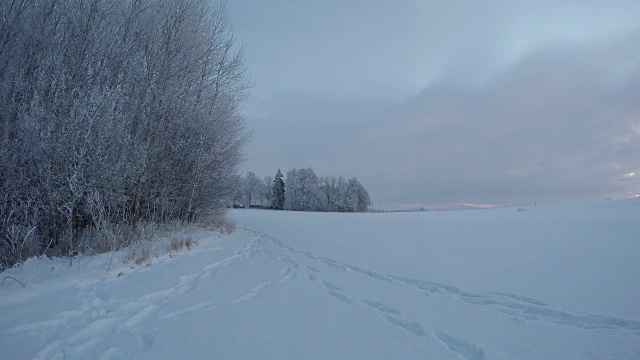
(219,222)
(139,252)
(178,243)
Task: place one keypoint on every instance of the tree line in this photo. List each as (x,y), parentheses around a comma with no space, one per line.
(114,113)
(302,190)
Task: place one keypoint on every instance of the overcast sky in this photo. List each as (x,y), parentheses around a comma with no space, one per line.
(436,102)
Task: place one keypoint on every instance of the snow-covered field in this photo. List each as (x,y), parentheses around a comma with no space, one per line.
(551,282)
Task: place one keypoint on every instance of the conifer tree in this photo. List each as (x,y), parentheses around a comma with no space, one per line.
(277,201)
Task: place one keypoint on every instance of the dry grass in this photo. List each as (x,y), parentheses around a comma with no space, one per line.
(166,241)
(219,222)
(141,242)
(114,237)
(178,243)
(139,252)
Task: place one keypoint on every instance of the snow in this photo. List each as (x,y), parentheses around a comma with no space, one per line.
(551,282)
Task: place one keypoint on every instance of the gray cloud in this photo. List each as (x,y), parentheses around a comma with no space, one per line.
(440,102)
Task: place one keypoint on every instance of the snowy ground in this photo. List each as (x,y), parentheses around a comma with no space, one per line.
(551,282)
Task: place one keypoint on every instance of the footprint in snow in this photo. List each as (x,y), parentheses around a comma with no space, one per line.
(312,269)
(411,326)
(330,285)
(245,297)
(381,307)
(461,347)
(340,296)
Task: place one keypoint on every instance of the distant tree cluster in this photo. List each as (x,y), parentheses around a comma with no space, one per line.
(113,112)
(302,190)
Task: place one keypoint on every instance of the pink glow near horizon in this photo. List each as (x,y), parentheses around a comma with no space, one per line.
(479,206)
(436,207)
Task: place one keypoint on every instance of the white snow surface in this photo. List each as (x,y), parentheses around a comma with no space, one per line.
(551,282)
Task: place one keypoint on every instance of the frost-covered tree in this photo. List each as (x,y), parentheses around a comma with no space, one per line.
(113,113)
(306,192)
(293,199)
(364,201)
(266,191)
(239,193)
(328,190)
(252,189)
(341,195)
(278,191)
(303,190)
(351,196)
(345,195)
